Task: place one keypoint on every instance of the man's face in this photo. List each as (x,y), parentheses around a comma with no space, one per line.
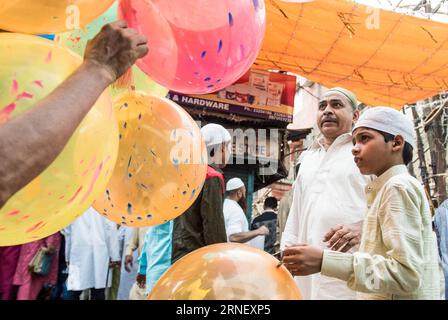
(335,115)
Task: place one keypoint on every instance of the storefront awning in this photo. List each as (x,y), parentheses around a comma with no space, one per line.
(386,58)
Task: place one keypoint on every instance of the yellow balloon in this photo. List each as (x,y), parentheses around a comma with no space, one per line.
(30,68)
(161,166)
(49,16)
(226,271)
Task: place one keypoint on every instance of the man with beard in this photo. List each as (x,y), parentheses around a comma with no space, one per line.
(237,226)
(329,202)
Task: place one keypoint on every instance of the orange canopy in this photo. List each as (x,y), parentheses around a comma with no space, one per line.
(386,58)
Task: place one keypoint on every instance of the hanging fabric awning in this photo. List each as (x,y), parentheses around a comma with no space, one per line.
(386,58)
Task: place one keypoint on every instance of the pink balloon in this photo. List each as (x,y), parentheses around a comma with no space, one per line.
(197,46)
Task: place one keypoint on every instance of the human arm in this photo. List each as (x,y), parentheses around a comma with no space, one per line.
(131,246)
(30,142)
(242,237)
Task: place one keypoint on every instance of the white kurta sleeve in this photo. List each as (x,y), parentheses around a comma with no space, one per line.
(234,225)
(112,240)
(289,236)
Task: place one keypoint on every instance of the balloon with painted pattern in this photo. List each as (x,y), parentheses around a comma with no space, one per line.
(49,16)
(161,166)
(197,46)
(226,271)
(76,40)
(31,68)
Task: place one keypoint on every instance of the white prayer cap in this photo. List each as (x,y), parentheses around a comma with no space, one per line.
(387,120)
(215,134)
(234,184)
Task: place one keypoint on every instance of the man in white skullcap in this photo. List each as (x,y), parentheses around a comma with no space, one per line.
(237,226)
(328,199)
(203,223)
(398,257)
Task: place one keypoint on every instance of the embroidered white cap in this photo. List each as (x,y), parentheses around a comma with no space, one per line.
(234,184)
(387,120)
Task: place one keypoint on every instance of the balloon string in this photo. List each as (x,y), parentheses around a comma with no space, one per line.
(125,81)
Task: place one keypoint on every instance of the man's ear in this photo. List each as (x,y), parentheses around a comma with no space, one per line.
(355,115)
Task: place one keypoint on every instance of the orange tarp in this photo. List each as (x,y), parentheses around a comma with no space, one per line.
(386,58)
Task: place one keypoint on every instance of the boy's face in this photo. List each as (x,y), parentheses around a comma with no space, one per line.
(372,154)
(335,115)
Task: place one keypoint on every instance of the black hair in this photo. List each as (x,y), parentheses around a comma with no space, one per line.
(271,202)
(407,149)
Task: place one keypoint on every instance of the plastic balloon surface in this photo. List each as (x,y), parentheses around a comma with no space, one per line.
(197,46)
(49,16)
(76,41)
(226,271)
(161,166)
(30,68)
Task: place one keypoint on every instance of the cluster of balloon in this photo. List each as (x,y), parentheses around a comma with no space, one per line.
(77,39)
(226,271)
(81,172)
(44,16)
(161,166)
(197,46)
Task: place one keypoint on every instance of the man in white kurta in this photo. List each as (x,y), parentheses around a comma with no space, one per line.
(329,191)
(237,226)
(91,244)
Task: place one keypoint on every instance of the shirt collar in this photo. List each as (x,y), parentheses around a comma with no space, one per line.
(376,185)
(342,139)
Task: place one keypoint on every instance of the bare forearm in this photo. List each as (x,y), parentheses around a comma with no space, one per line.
(33,140)
(244,236)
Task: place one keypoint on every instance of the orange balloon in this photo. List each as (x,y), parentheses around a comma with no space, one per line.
(226,271)
(49,16)
(161,166)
